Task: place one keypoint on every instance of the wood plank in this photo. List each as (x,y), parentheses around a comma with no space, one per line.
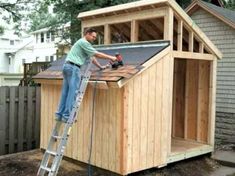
(136,124)
(191,99)
(124,133)
(201,47)
(21,114)
(212,101)
(37,121)
(107,35)
(118,8)
(118,102)
(143,119)
(168,26)
(3,119)
(130,87)
(165,110)
(191,55)
(158,117)
(87,108)
(179,97)
(151,115)
(144,14)
(29,118)
(98,130)
(180,35)
(203,101)
(105,127)
(112,134)
(190,41)
(134,31)
(42,126)
(12,119)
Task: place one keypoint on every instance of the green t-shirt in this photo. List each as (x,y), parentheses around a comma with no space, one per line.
(81,51)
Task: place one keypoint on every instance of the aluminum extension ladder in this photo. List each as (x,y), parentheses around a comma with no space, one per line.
(55,151)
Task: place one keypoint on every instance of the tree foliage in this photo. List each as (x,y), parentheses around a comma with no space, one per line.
(69,9)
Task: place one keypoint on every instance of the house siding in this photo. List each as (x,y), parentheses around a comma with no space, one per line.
(223,36)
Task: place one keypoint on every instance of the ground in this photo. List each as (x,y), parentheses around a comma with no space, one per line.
(27,163)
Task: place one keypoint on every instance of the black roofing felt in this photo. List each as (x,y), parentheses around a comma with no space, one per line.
(133,54)
(229,14)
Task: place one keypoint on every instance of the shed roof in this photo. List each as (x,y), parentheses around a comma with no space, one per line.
(226,15)
(150,4)
(134,56)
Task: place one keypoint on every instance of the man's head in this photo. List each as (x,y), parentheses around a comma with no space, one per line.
(90,34)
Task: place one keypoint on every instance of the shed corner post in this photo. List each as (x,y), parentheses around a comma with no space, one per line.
(168,26)
(212,102)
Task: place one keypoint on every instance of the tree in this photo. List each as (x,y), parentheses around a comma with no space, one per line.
(230,4)
(69,9)
(13,12)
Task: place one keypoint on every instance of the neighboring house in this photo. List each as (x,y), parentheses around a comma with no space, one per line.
(14,51)
(219,25)
(8,43)
(46,42)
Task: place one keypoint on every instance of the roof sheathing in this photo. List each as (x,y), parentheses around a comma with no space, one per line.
(134,55)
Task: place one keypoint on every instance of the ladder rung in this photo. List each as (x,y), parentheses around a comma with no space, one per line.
(46,169)
(51,152)
(57,137)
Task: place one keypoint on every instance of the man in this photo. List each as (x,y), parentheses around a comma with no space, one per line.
(79,52)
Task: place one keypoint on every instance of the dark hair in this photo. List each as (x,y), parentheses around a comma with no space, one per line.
(89,30)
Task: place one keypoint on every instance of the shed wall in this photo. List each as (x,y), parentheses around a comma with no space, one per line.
(223,36)
(148,116)
(106,151)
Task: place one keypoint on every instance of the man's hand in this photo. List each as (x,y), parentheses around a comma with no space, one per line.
(113,59)
(104,66)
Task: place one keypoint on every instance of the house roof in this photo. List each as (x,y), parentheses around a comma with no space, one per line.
(226,15)
(150,4)
(134,56)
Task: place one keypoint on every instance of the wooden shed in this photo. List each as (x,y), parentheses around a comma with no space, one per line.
(157,109)
(219,25)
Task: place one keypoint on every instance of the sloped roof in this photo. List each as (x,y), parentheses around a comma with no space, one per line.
(226,15)
(134,55)
(149,4)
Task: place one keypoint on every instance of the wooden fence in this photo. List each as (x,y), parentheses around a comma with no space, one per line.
(19,119)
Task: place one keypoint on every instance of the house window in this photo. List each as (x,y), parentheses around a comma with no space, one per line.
(47,58)
(42,37)
(52,36)
(36,38)
(12,42)
(23,61)
(51,58)
(48,37)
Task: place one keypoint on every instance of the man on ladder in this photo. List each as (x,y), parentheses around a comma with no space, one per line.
(73,89)
(81,50)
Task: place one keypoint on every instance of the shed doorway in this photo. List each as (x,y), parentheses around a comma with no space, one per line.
(191,105)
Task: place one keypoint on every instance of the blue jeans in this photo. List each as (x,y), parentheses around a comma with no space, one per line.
(71,82)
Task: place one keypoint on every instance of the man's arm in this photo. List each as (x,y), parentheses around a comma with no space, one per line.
(105,56)
(94,61)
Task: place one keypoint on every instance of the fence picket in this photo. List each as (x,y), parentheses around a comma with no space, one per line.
(38,115)
(29,118)
(2,119)
(12,120)
(21,105)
